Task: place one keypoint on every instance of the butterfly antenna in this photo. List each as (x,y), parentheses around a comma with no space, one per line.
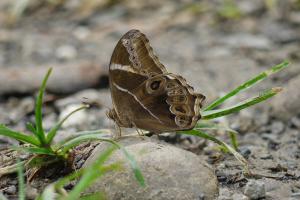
(96,104)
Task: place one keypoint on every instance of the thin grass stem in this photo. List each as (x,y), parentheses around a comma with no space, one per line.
(53,131)
(247,84)
(38,111)
(211,114)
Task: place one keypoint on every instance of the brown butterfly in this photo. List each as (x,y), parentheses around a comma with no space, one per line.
(144,94)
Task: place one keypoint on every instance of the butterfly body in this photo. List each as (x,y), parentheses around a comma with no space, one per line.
(144,94)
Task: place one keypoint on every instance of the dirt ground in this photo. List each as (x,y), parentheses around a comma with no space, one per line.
(215,45)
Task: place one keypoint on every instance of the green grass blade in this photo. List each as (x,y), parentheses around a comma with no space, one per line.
(234,141)
(202,126)
(136,170)
(35,150)
(91,173)
(77,140)
(31,128)
(204,135)
(104,133)
(38,110)
(80,139)
(53,131)
(211,114)
(248,84)
(95,196)
(18,136)
(63,181)
(21,181)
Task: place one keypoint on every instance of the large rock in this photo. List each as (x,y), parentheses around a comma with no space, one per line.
(169,172)
(287,104)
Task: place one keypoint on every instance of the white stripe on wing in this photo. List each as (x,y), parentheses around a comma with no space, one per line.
(127,91)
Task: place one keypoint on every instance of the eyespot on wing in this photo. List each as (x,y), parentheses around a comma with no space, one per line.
(155,84)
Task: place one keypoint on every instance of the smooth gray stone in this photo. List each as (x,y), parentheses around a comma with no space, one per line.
(169,172)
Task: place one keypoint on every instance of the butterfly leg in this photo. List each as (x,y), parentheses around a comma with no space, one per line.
(139,131)
(118,132)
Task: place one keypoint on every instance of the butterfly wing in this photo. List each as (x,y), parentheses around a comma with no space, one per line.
(144,94)
(132,63)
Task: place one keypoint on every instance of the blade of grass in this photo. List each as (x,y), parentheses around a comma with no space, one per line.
(75,141)
(248,84)
(31,128)
(89,176)
(91,173)
(105,133)
(35,150)
(21,182)
(204,135)
(53,131)
(38,110)
(95,196)
(211,114)
(233,140)
(18,136)
(212,126)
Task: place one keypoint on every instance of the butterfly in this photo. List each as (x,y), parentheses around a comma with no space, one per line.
(144,94)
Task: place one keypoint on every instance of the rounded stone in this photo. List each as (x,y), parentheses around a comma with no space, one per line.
(169,172)
(255,189)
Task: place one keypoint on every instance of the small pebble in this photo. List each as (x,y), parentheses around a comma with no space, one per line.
(201,196)
(31,192)
(255,189)
(277,127)
(11,189)
(245,151)
(66,52)
(296,122)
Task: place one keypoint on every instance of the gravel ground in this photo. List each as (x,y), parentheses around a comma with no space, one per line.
(214,45)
